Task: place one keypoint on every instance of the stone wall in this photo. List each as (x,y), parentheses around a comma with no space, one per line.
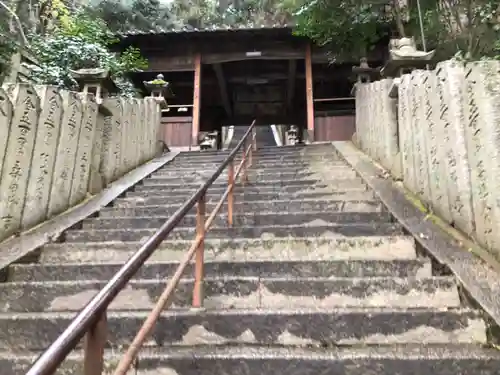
(57,147)
(441,137)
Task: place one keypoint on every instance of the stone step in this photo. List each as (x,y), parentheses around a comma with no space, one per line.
(295,206)
(240,293)
(257,268)
(449,359)
(274,165)
(337,186)
(246,198)
(150,183)
(241,250)
(262,161)
(260,327)
(267,232)
(171,170)
(242,220)
(200,177)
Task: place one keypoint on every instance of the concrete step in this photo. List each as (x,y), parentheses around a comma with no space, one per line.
(262,327)
(272,165)
(262,160)
(337,186)
(242,220)
(449,359)
(149,183)
(182,233)
(198,177)
(258,268)
(295,206)
(241,250)
(133,199)
(240,293)
(171,170)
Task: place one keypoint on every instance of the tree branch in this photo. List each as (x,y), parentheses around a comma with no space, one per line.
(18,21)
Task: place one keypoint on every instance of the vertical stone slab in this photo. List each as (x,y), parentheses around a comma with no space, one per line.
(362,104)
(368,124)
(6,111)
(125,138)
(133,134)
(44,156)
(141,137)
(451,116)
(421,128)
(115,150)
(483,146)
(405,132)
(18,156)
(375,123)
(149,127)
(106,165)
(436,148)
(390,123)
(96,180)
(84,152)
(71,123)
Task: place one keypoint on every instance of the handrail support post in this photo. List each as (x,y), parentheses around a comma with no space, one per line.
(199,256)
(95,341)
(230,196)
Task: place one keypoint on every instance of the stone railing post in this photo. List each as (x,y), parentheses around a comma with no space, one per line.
(97,83)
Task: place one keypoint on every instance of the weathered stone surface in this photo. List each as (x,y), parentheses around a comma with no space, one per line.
(6,112)
(241,293)
(242,250)
(482,134)
(81,173)
(71,124)
(19,153)
(263,327)
(42,165)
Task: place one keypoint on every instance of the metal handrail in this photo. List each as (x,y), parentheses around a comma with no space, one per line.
(91,322)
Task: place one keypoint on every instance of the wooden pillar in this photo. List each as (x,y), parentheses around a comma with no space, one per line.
(196,100)
(309,94)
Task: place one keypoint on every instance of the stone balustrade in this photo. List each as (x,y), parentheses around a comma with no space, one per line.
(441,136)
(57,147)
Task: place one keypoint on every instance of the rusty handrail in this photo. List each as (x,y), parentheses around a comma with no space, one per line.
(91,322)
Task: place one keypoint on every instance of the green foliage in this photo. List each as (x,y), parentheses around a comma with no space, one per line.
(348,27)
(82,43)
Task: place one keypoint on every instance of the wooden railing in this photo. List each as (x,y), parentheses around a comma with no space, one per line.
(91,322)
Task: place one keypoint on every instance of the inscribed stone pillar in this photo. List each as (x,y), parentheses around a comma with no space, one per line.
(359,114)
(389,122)
(436,147)
(405,132)
(96,179)
(483,146)
(149,118)
(125,135)
(18,156)
(6,111)
(133,134)
(81,172)
(375,124)
(420,132)
(451,116)
(111,140)
(44,156)
(64,167)
(142,150)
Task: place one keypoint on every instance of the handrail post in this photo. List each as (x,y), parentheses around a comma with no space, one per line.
(244,163)
(95,341)
(230,196)
(199,257)
(254,139)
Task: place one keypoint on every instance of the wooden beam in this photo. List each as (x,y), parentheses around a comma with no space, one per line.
(309,94)
(223,88)
(196,100)
(290,91)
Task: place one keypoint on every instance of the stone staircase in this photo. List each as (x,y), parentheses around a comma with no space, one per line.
(314,278)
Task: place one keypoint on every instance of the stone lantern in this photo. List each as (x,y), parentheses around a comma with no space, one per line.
(96,81)
(158,88)
(364,73)
(403,58)
(293,135)
(209,141)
